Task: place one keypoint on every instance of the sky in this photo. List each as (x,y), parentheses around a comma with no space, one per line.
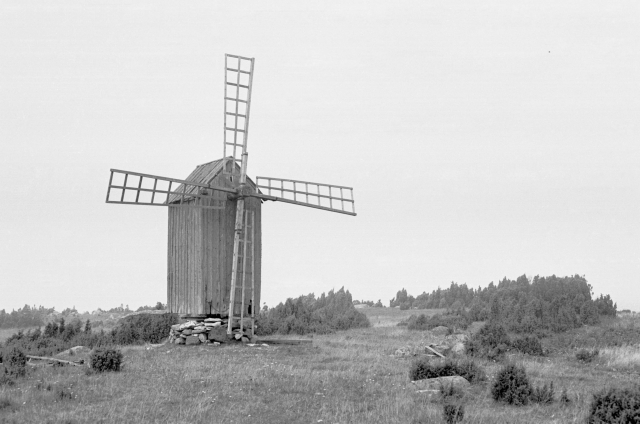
(483,141)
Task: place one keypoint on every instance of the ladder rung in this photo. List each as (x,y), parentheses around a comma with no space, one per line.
(233,129)
(238,70)
(238,85)
(236,114)
(235,100)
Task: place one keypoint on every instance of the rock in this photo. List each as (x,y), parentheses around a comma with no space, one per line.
(218,334)
(245,339)
(200,327)
(202,338)
(458,348)
(402,352)
(187,332)
(212,324)
(435,383)
(184,336)
(179,341)
(213,320)
(191,340)
(216,343)
(238,336)
(188,325)
(196,331)
(440,331)
(176,327)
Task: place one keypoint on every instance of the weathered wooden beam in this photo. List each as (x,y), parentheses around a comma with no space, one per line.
(62,361)
(286,341)
(435,351)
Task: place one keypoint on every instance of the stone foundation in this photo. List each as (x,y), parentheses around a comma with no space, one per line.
(209,331)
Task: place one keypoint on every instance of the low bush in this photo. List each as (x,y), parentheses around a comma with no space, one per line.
(512,386)
(15,362)
(423,368)
(452,404)
(529,345)
(143,328)
(6,405)
(585,355)
(308,314)
(491,342)
(615,405)
(103,359)
(543,394)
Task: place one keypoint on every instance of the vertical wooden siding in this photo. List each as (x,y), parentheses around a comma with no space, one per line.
(200,255)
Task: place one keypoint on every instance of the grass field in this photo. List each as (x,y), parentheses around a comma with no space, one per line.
(348,377)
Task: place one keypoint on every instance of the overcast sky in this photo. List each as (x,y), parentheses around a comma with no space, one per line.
(482,141)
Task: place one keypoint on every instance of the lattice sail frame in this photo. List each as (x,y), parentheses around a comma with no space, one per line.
(327,197)
(238,80)
(154,190)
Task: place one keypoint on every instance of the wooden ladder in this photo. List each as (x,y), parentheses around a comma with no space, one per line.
(245,262)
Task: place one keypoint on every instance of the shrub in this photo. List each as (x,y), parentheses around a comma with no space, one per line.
(615,405)
(6,405)
(529,345)
(102,359)
(15,363)
(144,328)
(490,342)
(584,355)
(543,394)
(512,385)
(452,405)
(423,368)
(5,378)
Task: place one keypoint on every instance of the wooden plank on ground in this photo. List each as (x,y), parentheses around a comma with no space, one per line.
(435,351)
(43,358)
(286,341)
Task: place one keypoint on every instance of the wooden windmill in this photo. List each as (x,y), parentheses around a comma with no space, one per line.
(215,243)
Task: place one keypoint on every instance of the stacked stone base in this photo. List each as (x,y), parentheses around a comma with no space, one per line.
(209,331)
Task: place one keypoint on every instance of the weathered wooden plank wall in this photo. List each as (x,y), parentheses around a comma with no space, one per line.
(200,256)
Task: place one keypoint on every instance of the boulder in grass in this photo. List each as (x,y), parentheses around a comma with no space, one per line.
(435,383)
(202,338)
(441,330)
(245,339)
(180,341)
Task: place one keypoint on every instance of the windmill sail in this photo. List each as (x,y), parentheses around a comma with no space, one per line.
(134,188)
(237,101)
(327,197)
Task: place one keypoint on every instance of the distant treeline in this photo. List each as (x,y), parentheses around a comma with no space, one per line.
(308,314)
(523,305)
(32,316)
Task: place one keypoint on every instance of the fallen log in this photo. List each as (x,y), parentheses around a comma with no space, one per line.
(285,341)
(62,361)
(435,351)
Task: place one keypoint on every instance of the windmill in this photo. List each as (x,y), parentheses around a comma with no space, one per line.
(214,248)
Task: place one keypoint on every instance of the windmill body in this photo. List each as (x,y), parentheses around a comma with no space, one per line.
(215,238)
(200,248)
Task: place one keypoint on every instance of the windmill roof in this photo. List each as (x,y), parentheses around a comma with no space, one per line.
(203,174)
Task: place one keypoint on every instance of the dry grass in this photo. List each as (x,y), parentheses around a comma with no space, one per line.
(348,377)
(623,357)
